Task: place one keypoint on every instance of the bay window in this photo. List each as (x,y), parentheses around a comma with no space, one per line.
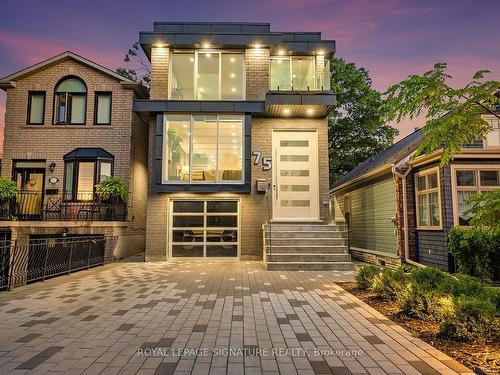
(428,199)
(207,75)
(470,180)
(203,149)
(84,168)
(301,73)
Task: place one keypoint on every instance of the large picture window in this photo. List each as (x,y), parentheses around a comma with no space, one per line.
(70,102)
(203,149)
(428,199)
(470,180)
(207,75)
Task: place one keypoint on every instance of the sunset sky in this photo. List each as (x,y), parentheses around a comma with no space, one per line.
(391,38)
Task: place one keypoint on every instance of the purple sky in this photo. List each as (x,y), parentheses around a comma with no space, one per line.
(391,38)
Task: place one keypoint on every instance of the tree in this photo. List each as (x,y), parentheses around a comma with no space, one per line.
(454,117)
(140,71)
(356,129)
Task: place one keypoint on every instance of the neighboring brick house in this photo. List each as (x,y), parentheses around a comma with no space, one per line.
(239,138)
(69,124)
(371,199)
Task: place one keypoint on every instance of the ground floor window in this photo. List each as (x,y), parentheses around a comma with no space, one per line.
(469,180)
(204,228)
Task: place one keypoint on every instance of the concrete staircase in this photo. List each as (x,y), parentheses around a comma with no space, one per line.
(306,246)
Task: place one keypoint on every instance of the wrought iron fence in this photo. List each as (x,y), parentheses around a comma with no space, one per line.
(29,205)
(49,257)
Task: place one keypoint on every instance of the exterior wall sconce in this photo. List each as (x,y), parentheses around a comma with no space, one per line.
(52,166)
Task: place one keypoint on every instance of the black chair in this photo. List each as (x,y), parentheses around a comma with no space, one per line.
(90,209)
(53,207)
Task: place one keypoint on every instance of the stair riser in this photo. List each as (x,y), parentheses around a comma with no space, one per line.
(310,267)
(305,241)
(309,258)
(302,234)
(307,250)
(305,227)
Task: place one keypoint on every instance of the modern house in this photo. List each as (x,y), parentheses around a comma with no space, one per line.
(238,150)
(69,125)
(398,207)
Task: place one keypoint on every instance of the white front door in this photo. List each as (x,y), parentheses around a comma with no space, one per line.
(295,175)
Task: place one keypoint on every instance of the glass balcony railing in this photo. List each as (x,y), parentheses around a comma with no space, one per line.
(299,73)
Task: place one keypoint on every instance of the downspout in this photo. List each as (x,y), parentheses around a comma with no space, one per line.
(405,212)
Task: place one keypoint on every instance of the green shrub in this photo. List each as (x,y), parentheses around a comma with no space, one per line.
(8,188)
(414,300)
(476,251)
(429,278)
(470,319)
(387,282)
(112,187)
(364,276)
(463,285)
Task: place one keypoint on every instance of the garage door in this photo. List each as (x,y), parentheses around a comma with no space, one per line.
(204,228)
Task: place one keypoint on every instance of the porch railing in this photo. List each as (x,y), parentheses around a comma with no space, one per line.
(48,257)
(29,205)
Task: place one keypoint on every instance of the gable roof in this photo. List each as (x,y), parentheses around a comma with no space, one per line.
(386,158)
(9,80)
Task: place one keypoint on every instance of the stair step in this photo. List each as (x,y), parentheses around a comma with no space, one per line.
(310,266)
(305,241)
(305,227)
(307,258)
(340,249)
(304,234)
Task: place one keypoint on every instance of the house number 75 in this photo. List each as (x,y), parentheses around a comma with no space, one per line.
(266,161)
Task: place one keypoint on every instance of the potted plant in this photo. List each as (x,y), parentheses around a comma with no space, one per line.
(8,193)
(113,192)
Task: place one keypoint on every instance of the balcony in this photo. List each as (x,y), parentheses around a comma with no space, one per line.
(299,73)
(29,205)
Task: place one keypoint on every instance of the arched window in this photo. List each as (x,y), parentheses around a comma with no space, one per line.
(70,101)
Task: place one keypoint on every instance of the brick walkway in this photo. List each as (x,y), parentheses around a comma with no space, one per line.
(134,317)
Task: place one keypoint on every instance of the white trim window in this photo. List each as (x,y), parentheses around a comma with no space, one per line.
(467,181)
(203,149)
(492,139)
(207,75)
(428,199)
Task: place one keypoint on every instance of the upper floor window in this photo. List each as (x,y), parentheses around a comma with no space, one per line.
(493,137)
(203,149)
(36,107)
(102,108)
(207,75)
(428,200)
(469,180)
(299,73)
(70,102)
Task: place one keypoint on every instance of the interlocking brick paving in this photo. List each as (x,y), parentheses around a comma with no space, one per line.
(203,318)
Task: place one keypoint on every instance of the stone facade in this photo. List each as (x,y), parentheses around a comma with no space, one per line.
(125,139)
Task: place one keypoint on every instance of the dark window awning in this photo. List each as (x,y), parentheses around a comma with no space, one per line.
(90,153)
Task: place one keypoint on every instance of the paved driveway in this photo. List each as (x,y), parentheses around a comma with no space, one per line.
(203,318)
